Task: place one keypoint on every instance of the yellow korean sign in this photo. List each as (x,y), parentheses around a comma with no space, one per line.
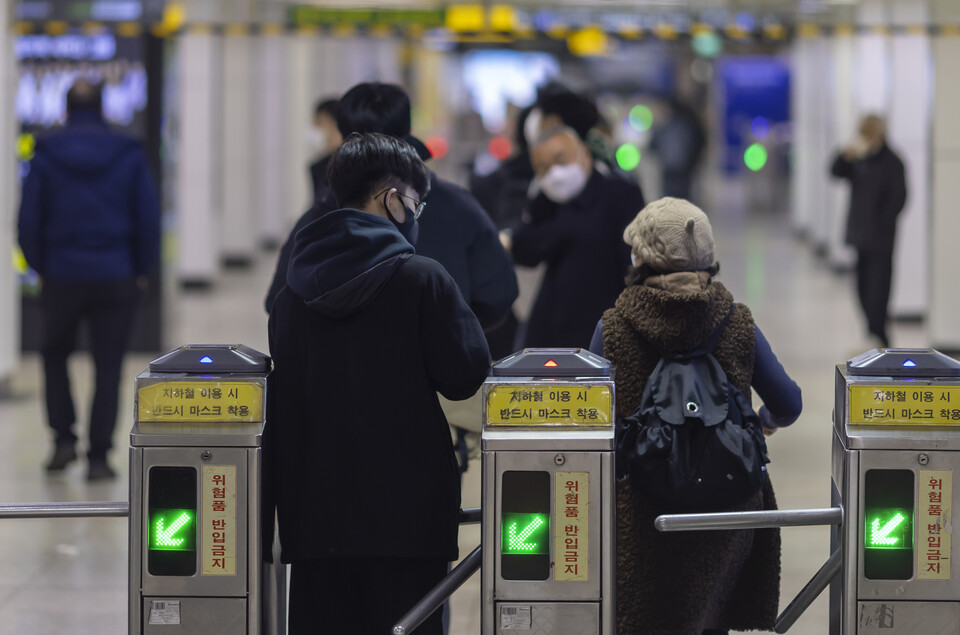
(571,527)
(934,525)
(196,401)
(554,404)
(218,532)
(905,404)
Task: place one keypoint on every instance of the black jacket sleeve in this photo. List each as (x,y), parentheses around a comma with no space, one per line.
(841,168)
(541,236)
(895,190)
(455,350)
(493,280)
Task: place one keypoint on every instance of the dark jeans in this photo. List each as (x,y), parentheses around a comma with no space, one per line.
(361,596)
(874,272)
(108,309)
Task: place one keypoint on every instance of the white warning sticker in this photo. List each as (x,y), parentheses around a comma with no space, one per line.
(516,618)
(164,612)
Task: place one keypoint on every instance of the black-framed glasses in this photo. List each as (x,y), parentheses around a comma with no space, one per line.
(417,205)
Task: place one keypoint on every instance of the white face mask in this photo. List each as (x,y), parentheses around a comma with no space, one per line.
(317,141)
(562,183)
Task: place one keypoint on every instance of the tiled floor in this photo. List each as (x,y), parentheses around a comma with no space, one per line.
(69,576)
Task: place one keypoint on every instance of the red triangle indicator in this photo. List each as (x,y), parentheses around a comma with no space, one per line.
(551,364)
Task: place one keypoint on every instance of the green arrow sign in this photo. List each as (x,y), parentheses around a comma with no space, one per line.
(888,529)
(173,530)
(525,534)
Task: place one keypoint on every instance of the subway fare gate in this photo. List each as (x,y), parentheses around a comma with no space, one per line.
(896,453)
(548,495)
(195,561)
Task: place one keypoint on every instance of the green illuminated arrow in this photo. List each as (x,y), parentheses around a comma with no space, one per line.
(165,536)
(881,536)
(518,541)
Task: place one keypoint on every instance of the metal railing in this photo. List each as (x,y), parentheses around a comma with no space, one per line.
(770,519)
(119,509)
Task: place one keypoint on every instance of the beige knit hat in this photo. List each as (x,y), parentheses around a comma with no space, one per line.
(672,234)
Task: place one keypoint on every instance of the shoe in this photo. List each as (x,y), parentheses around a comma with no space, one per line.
(100,470)
(62,456)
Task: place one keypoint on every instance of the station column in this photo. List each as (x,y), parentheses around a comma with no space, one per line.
(9,305)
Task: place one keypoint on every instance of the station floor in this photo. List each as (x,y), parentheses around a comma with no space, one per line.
(70,576)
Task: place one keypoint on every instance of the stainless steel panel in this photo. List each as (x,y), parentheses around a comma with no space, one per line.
(850,539)
(608,551)
(908,618)
(550,589)
(912,589)
(200,616)
(254,547)
(546,441)
(488,539)
(554,618)
(159,434)
(134,541)
(198,585)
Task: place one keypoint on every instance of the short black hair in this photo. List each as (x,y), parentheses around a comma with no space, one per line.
(329,107)
(374,107)
(85,95)
(368,163)
(576,110)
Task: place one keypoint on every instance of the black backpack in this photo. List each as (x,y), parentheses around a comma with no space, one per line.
(694,444)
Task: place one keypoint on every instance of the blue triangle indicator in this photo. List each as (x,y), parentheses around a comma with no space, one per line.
(206,360)
(909,363)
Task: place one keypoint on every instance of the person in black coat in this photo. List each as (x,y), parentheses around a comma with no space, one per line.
(457,233)
(90,227)
(358,456)
(878,193)
(574,225)
(324,139)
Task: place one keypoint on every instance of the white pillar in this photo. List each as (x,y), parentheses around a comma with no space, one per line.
(9,297)
(198,172)
(300,103)
(909,133)
(806,97)
(238,228)
(841,127)
(945,221)
(272,155)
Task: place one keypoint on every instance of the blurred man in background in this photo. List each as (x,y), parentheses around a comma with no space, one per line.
(878,192)
(324,138)
(90,227)
(575,226)
(679,143)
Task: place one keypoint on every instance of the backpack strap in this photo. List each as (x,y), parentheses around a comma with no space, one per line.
(708,345)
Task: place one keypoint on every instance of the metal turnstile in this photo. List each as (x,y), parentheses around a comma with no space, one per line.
(195,556)
(896,450)
(548,495)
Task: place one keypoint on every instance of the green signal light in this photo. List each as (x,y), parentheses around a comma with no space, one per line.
(525,534)
(640,118)
(628,157)
(173,530)
(889,529)
(755,157)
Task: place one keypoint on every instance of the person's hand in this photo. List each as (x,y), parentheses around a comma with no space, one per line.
(506,239)
(768,432)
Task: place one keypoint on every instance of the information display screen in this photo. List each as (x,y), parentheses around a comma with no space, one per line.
(525,526)
(888,524)
(172,521)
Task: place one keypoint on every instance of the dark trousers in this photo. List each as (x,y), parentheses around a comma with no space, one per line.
(360,596)
(874,273)
(108,309)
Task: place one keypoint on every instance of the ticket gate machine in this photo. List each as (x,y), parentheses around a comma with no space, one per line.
(195,558)
(548,495)
(896,453)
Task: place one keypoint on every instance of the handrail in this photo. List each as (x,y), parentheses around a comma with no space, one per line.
(750,520)
(118,509)
(810,592)
(439,594)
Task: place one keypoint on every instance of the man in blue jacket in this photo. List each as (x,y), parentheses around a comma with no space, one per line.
(358,457)
(90,227)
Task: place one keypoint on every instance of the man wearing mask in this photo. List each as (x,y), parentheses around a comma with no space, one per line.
(364,336)
(878,192)
(574,225)
(324,138)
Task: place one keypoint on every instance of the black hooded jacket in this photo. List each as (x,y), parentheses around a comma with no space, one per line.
(358,456)
(878,192)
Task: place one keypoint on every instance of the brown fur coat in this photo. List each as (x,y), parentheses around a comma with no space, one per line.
(683,583)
